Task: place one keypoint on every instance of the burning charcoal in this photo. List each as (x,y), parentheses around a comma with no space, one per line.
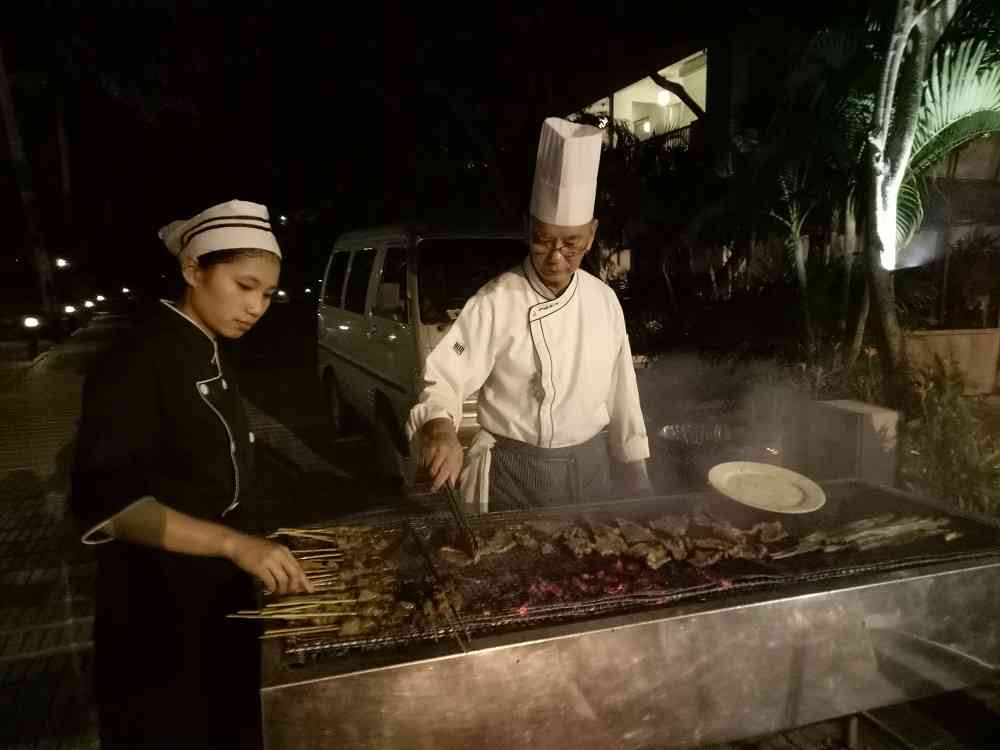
(770,531)
(635,533)
(672,525)
(702,558)
(654,555)
(547,549)
(608,540)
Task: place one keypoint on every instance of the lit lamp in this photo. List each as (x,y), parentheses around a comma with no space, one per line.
(31,325)
(663,97)
(100,298)
(309,290)
(69,309)
(125,290)
(647,127)
(88,304)
(62,263)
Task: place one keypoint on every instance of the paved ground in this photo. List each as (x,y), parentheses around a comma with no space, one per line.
(46,575)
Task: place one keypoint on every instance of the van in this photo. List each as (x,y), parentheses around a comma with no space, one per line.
(389,295)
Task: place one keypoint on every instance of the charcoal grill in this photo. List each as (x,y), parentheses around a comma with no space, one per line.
(739,649)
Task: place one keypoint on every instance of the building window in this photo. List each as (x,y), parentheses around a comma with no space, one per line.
(648,111)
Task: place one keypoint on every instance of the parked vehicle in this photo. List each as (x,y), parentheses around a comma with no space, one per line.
(389,295)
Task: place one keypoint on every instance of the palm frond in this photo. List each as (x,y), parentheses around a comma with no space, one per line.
(961,101)
(909,212)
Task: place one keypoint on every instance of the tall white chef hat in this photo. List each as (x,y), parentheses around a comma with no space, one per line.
(569,155)
(228,226)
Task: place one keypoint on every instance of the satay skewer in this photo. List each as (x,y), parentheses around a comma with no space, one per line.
(307,630)
(293,616)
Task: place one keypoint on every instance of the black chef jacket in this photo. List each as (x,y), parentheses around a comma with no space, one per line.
(162,417)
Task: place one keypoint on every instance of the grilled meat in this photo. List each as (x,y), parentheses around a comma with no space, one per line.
(769,531)
(578,541)
(608,540)
(672,525)
(651,553)
(635,533)
(702,558)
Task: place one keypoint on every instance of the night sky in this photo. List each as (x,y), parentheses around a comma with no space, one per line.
(341,118)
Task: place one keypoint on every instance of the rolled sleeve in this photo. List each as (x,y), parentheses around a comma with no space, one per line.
(457,367)
(113,465)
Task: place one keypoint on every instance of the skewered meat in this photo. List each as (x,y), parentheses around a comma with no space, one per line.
(501,541)
(675,546)
(608,540)
(868,534)
(721,529)
(653,554)
(525,539)
(635,533)
(769,531)
(672,525)
(578,541)
(710,542)
(549,528)
(702,558)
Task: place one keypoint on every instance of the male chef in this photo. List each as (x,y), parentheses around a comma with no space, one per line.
(545,345)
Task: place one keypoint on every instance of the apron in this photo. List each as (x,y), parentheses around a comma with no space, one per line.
(523,476)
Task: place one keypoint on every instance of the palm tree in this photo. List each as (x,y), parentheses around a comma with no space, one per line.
(927,104)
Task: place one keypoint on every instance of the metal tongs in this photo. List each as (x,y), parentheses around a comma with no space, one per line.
(462,521)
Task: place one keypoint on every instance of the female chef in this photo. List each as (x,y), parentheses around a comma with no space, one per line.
(163,457)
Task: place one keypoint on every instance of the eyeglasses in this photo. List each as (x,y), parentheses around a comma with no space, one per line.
(568,248)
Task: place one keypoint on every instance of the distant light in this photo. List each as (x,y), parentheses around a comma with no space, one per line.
(61,263)
(392,337)
(647,127)
(69,309)
(281,292)
(32,322)
(309,290)
(125,290)
(344,328)
(602,122)
(282,219)
(88,304)
(100,298)
(663,97)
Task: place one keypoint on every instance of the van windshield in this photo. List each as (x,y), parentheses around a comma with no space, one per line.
(452,270)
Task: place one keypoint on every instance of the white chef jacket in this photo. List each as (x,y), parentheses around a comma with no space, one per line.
(553,371)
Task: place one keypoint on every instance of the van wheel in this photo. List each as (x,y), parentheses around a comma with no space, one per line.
(335,406)
(390,458)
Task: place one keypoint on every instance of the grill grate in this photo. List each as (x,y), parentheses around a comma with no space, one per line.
(498,593)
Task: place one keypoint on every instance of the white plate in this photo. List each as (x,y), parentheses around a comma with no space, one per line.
(767,487)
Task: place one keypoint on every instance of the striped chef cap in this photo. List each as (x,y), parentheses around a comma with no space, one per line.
(234,225)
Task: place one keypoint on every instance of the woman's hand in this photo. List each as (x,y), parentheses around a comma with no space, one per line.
(440,452)
(269,562)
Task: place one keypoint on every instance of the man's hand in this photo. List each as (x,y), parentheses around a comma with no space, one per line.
(268,561)
(636,479)
(440,452)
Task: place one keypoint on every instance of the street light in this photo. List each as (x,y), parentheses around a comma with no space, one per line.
(62,263)
(32,322)
(309,290)
(100,298)
(88,304)
(125,290)
(281,293)
(69,309)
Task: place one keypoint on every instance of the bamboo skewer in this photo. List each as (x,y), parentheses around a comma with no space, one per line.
(282,632)
(293,616)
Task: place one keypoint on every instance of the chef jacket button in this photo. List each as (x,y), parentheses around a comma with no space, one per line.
(203,388)
(252,438)
(225,385)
